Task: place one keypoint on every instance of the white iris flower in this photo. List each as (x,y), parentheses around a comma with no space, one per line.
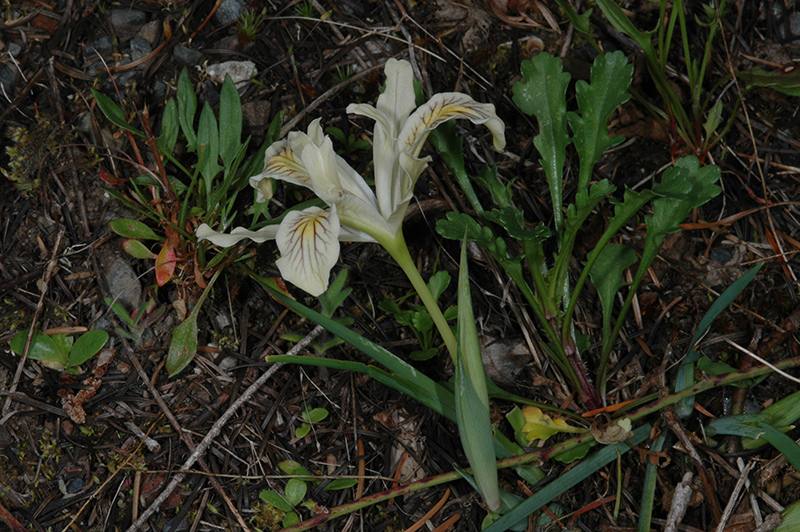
(308,240)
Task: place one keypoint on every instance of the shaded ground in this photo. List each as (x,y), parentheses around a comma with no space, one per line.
(98,475)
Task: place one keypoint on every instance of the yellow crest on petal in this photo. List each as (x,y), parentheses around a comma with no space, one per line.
(309,244)
(540,426)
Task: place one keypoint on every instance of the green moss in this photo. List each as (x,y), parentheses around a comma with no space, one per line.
(31,146)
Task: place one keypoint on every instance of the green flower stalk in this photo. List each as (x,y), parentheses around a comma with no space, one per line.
(308,240)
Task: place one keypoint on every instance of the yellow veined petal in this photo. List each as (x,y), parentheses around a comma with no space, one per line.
(284,164)
(226,240)
(309,244)
(447,106)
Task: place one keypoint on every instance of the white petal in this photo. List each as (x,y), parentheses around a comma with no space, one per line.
(442,108)
(225,240)
(362,216)
(284,163)
(398,99)
(309,244)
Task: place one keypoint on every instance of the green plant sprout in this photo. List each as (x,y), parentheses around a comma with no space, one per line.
(419,320)
(351,144)
(203,190)
(249,25)
(296,489)
(308,239)
(682,188)
(60,351)
(136,322)
(309,417)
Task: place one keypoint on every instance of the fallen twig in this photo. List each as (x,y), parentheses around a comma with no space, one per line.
(216,429)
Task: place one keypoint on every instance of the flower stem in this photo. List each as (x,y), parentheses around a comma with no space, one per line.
(398,249)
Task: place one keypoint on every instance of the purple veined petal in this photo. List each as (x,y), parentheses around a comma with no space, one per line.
(309,244)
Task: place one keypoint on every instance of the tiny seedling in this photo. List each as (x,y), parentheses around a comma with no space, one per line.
(351,144)
(419,320)
(309,417)
(296,490)
(60,351)
(136,322)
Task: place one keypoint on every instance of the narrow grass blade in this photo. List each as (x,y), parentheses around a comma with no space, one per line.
(754,427)
(569,479)
(649,487)
(685,377)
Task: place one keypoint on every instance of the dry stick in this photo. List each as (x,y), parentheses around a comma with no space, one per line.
(44,283)
(680,502)
(185,436)
(734,500)
(709,485)
(217,428)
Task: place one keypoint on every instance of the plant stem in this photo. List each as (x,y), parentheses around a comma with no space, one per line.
(398,249)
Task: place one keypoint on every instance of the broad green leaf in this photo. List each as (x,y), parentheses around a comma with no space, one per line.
(422,321)
(438,283)
(340,484)
(295,491)
(208,148)
(275,499)
(543,94)
(183,347)
(291,519)
(611,76)
(785,82)
(791,519)
(501,192)
(606,275)
(87,346)
(302,431)
(136,249)
(170,126)
(187,107)
(42,348)
(315,415)
(512,221)
(64,343)
(113,112)
(128,228)
(425,354)
(458,224)
(290,467)
(472,397)
(569,480)
(230,122)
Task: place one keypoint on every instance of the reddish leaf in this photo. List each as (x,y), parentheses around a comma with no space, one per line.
(136,249)
(109,178)
(165,264)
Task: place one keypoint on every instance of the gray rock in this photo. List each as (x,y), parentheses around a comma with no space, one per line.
(123,285)
(126,20)
(239,71)
(149,31)
(255,115)
(229,11)
(794,24)
(103,45)
(187,56)
(13,49)
(140,48)
(8,78)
